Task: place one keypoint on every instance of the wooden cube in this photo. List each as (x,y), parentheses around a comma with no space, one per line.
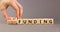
(12,22)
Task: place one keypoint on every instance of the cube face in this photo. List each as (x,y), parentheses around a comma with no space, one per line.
(11,21)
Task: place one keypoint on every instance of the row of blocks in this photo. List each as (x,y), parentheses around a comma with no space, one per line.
(32,21)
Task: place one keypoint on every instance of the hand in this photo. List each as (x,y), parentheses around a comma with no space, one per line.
(11,18)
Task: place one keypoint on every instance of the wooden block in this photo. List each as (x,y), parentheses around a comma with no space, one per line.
(11,21)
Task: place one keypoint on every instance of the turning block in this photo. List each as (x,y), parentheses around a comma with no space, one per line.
(12,22)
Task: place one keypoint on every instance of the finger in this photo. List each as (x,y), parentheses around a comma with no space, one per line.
(20,8)
(15,7)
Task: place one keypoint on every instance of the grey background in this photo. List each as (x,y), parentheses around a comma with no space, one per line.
(34,9)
